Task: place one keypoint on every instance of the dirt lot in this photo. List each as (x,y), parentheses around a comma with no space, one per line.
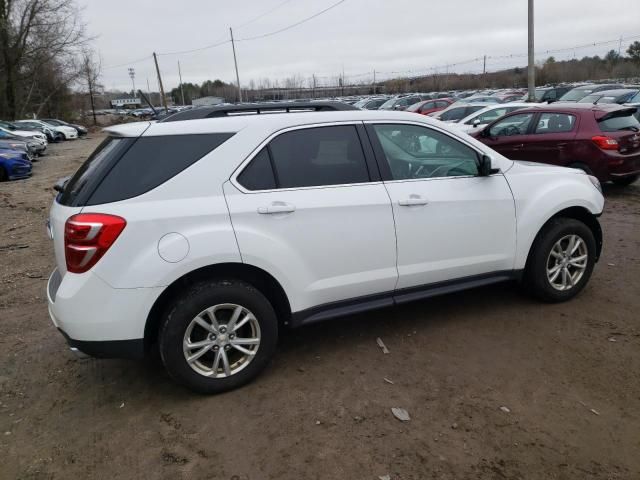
(568,374)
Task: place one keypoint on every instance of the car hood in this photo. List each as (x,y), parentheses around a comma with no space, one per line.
(524,166)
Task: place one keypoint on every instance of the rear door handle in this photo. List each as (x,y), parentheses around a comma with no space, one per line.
(277,207)
(413,200)
(520,145)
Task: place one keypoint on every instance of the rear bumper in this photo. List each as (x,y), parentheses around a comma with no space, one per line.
(621,166)
(97,319)
(131,349)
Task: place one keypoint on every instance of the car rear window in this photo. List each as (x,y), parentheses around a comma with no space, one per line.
(123,168)
(619,122)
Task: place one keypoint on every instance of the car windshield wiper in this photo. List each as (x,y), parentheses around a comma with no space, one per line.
(632,128)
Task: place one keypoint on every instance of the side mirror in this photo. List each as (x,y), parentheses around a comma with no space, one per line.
(476,122)
(485,169)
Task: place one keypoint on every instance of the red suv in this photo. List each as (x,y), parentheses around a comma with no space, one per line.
(602,140)
(429,106)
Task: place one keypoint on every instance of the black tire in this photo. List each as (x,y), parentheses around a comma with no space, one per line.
(583,167)
(626,181)
(3,175)
(190,304)
(61,137)
(535,277)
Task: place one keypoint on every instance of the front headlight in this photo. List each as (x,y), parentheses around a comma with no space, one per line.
(595,182)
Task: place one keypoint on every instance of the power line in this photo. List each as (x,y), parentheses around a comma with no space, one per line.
(293,25)
(262,15)
(181,52)
(132,62)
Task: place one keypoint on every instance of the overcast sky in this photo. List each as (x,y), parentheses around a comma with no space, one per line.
(358,36)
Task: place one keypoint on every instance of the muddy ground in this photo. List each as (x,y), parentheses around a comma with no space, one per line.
(568,375)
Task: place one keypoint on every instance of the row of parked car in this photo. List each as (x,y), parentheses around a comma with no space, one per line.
(592,127)
(23,141)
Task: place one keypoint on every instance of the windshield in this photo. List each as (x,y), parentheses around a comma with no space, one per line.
(635,99)
(625,121)
(593,98)
(388,104)
(575,94)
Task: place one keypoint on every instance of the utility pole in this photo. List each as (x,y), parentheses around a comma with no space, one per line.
(164,99)
(235,61)
(620,47)
(314,86)
(149,90)
(531,70)
(374,82)
(181,89)
(484,71)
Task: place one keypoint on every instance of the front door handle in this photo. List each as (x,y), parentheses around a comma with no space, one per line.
(520,145)
(277,207)
(413,200)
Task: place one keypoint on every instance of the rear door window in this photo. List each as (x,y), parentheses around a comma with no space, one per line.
(555,123)
(319,156)
(258,175)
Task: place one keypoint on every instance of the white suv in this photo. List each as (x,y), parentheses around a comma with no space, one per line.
(204,238)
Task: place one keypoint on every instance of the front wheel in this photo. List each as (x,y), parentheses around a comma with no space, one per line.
(218,335)
(626,181)
(561,261)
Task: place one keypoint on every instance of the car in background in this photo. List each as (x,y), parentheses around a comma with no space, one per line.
(456,112)
(426,107)
(34,134)
(602,140)
(548,94)
(60,123)
(14,165)
(34,147)
(64,132)
(578,93)
(16,145)
(370,103)
(482,99)
(480,119)
(47,130)
(619,96)
(400,103)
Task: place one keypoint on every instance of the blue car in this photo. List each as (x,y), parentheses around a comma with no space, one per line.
(14,165)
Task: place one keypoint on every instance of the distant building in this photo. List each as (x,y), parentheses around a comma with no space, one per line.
(206,101)
(126,102)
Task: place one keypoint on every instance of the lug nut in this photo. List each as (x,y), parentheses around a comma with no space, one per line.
(227,347)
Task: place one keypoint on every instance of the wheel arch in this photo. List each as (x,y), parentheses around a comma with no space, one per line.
(581,214)
(255,276)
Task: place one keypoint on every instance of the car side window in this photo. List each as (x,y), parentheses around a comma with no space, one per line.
(442,104)
(318,156)
(513,125)
(258,175)
(454,114)
(427,106)
(414,152)
(555,123)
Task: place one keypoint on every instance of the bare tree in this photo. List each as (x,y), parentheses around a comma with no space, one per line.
(90,74)
(35,34)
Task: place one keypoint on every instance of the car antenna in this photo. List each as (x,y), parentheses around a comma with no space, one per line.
(155,112)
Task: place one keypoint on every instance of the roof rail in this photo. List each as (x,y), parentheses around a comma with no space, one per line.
(256,108)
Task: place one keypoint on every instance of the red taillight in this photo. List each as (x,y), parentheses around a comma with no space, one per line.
(605,143)
(87,237)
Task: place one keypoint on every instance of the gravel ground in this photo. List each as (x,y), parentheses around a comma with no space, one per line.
(497,386)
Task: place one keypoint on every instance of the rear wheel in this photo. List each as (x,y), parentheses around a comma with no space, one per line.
(218,336)
(561,260)
(626,181)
